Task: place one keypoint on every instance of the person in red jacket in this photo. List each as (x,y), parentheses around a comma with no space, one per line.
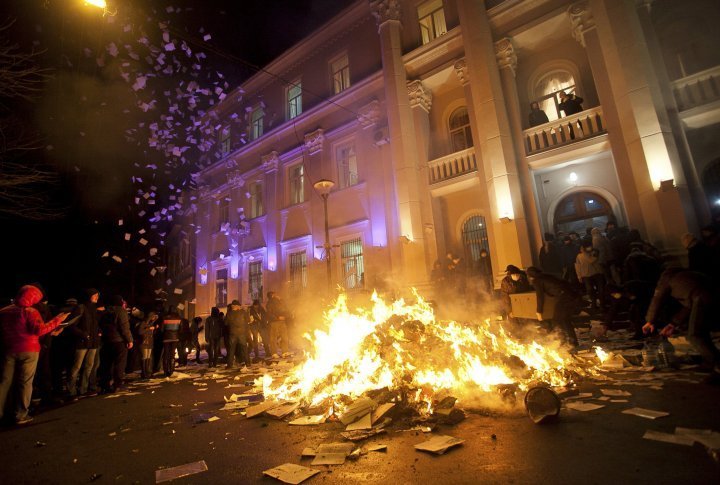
(21,326)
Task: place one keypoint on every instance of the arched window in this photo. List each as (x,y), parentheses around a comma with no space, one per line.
(711,182)
(581,210)
(474,239)
(460,129)
(547,88)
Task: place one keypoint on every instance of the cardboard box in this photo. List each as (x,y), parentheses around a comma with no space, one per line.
(524,305)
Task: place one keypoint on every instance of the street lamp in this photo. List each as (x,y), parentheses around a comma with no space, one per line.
(97,3)
(323,187)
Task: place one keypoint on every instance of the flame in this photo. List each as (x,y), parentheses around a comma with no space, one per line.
(601,355)
(402,346)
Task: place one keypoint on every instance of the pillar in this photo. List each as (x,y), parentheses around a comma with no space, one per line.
(413,269)
(493,140)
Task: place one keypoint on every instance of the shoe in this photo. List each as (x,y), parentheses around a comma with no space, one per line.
(25,420)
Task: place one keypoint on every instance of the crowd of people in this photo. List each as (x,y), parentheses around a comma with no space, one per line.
(88,348)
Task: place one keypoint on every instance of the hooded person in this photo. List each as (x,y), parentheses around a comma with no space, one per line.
(146,330)
(170,328)
(117,340)
(86,333)
(213,335)
(236,322)
(21,326)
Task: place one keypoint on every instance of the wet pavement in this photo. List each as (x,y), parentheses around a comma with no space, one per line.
(125,438)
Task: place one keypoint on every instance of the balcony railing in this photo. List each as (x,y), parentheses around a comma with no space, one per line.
(453,165)
(697,89)
(563,131)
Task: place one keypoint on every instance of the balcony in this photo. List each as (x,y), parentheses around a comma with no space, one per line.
(451,166)
(698,97)
(564,131)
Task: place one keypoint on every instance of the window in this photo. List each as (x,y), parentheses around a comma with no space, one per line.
(474,239)
(221,276)
(432,20)
(225,140)
(353,272)
(255,280)
(347,166)
(255,192)
(298,271)
(223,211)
(294,99)
(460,133)
(256,123)
(297,183)
(547,91)
(340,70)
(581,210)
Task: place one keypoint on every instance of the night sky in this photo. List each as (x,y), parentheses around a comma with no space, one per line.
(83,112)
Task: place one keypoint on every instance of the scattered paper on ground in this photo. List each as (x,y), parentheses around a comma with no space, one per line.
(707,437)
(583,406)
(439,444)
(291,473)
(668,438)
(167,474)
(258,409)
(381,411)
(329,459)
(646,413)
(377,447)
(308,420)
(614,392)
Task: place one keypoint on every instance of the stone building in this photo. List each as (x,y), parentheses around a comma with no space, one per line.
(418,112)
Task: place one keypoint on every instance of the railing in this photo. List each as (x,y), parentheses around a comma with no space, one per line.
(453,165)
(697,89)
(563,131)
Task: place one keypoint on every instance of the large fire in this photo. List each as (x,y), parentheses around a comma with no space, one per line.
(401,346)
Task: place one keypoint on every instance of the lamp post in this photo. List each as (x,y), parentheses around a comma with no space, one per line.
(323,187)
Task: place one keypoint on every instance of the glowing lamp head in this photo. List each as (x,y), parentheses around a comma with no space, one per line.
(573,177)
(324,186)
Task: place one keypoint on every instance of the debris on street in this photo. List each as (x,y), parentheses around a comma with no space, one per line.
(291,473)
(167,474)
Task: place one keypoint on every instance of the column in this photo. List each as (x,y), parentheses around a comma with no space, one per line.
(414,269)
(646,156)
(420,104)
(491,134)
(507,62)
(274,198)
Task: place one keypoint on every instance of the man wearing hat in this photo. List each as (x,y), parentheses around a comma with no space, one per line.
(86,333)
(515,281)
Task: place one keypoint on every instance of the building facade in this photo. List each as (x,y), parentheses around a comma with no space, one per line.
(418,112)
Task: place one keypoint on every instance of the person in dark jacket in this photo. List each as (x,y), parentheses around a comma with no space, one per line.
(185,342)
(259,328)
(170,328)
(117,340)
(537,116)
(277,315)
(570,104)
(87,340)
(236,321)
(484,266)
(20,328)
(196,327)
(549,257)
(697,298)
(640,266)
(146,331)
(568,253)
(567,301)
(633,297)
(515,281)
(700,257)
(213,335)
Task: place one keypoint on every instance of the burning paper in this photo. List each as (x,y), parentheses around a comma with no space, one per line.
(402,347)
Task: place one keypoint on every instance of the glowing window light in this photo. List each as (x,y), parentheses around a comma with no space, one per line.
(97,3)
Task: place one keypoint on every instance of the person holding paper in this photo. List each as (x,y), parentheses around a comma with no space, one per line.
(21,326)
